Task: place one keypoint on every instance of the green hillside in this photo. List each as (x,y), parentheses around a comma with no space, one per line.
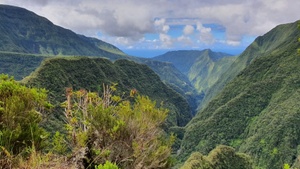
(23,31)
(182,59)
(258,111)
(271,42)
(19,65)
(249,102)
(176,80)
(206,71)
(203,68)
(90,73)
(26,39)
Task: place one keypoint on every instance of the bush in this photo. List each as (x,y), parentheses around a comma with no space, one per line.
(20,115)
(107,165)
(111,128)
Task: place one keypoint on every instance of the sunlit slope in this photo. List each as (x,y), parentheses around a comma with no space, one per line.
(258,111)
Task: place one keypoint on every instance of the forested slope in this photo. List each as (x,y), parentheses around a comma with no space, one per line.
(23,31)
(258,111)
(91,73)
(276,40)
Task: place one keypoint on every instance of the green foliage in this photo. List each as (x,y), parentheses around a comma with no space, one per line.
(124,132)
(107,165)
(203,68)
(176,80)
(197,161)
(286,166)
(59,144)
(282,38)
(222,157)
(257,112)
(19,65)
(23,31)
(225,157)
(24,34)
(56,74)
(20,115)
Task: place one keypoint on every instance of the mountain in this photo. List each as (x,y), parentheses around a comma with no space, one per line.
(90,73)
(183,60)
(258,111)
(23,31)
(19,65)
(26,39)
(176,80)
(203,68)
(270,43)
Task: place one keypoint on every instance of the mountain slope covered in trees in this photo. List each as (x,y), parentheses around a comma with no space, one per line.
(26,39)
(203,68)
(90,73)
(258,111)
(275,40)
(23,31)
(19,65)
(176,80)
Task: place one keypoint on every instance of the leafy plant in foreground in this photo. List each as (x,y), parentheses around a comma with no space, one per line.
(20,114)
(111,128)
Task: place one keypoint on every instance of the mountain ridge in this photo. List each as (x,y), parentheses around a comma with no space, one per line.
(253,111)
(24,32)
(55,74)
(261,46)
(202,68)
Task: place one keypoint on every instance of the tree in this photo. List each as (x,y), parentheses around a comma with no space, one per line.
(197,161)
(125,131)
(222,157)
(20,114)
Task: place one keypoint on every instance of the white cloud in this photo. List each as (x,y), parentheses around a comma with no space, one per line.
(161,26)
(206,36)
(159,22)
(165,28)
(233,43)
(166,40)
(132,19)
(188,29)
(186,41)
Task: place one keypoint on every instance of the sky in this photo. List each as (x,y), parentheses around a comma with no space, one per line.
(148,28)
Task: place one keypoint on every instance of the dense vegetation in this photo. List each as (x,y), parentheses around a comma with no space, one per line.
(250,102)
(177,81)
(258,111)
(203,68)
(100,130)
(219,158)
(23,31)
(276,40)
(26,38)
(19,65)
(20,115)
(58,73)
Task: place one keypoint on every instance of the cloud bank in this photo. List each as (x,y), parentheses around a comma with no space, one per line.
(129,21)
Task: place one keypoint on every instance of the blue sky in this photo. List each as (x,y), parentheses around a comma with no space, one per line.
(148,28)
(151,45)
